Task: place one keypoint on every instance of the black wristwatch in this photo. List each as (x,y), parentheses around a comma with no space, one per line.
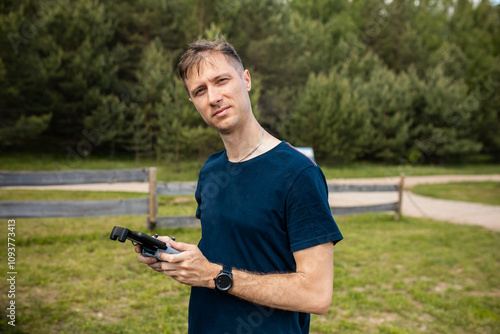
(224,281)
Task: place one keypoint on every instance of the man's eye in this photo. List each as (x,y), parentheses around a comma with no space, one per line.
(199,92)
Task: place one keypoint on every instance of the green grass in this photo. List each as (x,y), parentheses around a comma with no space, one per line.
(414,276)
(409,276)
(477,192)
(188,170)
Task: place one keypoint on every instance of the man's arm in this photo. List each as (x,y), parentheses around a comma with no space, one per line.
(308,290)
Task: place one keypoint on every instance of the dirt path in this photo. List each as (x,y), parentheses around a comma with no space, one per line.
(413,205)
(487,216)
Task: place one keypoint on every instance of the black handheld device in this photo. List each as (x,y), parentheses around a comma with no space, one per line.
(151,247)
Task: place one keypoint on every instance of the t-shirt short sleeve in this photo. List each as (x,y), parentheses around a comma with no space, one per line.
(308,215)
(197,196)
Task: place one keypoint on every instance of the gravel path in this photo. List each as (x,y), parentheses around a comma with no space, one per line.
(487,216)
(413,205)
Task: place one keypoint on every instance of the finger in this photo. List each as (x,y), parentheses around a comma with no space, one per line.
(147,259)
(171,258)
(164,238)
(156,267)
(168,267)
(181,246)
(138,249)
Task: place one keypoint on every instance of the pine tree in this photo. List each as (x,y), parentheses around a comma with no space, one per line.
(25,109)
(330,117)
(389,99)
(78,33)
(443,115)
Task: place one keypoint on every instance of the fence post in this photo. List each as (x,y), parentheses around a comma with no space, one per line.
(400,197)
(152,198)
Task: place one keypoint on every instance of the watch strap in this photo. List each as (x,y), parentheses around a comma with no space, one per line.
(228,270)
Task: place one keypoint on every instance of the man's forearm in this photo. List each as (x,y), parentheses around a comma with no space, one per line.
(291,292)
(308,290)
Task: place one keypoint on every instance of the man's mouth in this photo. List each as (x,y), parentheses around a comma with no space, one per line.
(221,112)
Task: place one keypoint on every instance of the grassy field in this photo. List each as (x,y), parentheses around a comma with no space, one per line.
(477,192)
(410,276)
(188,170)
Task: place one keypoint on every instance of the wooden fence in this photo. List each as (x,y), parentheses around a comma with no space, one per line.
(41,209)
(352,210)
(139,206)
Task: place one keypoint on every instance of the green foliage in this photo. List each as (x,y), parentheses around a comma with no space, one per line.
(362,109)
(420,78)
(443,113)
(330,117)
(389,99)
(24,127)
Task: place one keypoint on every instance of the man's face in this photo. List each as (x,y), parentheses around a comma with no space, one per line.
(220,93)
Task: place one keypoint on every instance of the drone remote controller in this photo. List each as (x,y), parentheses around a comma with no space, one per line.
(151,247)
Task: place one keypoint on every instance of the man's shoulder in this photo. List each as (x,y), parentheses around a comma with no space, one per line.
(214,159)
(297,157)
(216,163)
(216,156)
(291,161)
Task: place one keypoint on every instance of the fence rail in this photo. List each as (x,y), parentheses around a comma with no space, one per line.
(72,177)
(353,210)
(176,188)
(175,222)
(139,206)
(338,188)
(44,209)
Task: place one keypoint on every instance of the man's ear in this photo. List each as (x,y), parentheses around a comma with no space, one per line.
(247,79)
(190,100)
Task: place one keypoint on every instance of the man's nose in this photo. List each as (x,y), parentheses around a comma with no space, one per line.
(214,95)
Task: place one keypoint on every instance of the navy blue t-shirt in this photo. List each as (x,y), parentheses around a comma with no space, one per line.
(254,215)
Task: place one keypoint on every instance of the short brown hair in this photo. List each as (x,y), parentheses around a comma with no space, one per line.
(201,49)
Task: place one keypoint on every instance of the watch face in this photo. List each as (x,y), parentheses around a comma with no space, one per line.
(224,282)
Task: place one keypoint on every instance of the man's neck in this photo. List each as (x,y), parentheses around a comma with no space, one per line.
(240,143)
(241,146)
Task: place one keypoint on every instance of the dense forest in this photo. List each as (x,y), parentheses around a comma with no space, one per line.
(391,81)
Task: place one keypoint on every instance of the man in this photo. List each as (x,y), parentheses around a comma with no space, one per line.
(265,260)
